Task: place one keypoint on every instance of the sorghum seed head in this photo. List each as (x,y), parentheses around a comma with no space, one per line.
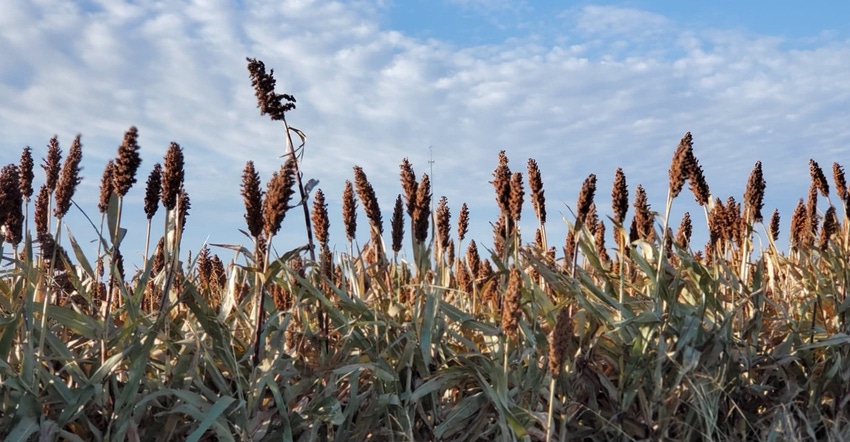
(398,224)
(443,221)
(172,176)
(349,211)
(127,163)
(26,173)
(679,167)
(585,200)
(818,178)
(69,179)
(153,190)
(321,222)
(106,187)
(754,195)
(463,222)
(369,200)
(535,183)
(620,197)
(252,195)
(52,164)
(268,100)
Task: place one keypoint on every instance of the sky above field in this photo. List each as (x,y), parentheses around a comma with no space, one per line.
(581,87)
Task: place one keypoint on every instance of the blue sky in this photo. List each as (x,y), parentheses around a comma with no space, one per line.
(582,87)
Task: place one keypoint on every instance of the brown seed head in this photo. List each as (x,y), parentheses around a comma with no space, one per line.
(408,183)
(812,208)
(127,163)
(172,176)
(599,237)
(570,247)
(774,225)
(561,338)
(463,222)
(185,205)
(69,179)
(398,224)
(369,200)
(153,190)
(11,203)
(840,182)
(535,183)
(830,226)
(27,175)
(52,164)
(585,200)
(502,184)
(321,221)
(349,211)
(252,195)
(423,209)
(443,222)
(643,218)
(799,225)
(277,198)
(516,196)
(512,309)
(268,100)
(499,235)
(697,183)
(683,234)
(473,260)
(754,195)
(42,204)
(818,178)
(620,197)
(681,164)
(106,188)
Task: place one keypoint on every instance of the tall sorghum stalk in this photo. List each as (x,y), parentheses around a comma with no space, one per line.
(65,185)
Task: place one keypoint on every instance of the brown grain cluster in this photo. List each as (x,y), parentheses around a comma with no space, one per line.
(397,224)
(252,196)
(442,216)
(830,226)
(153,190)
(561,338)
(512,310)
(620,197)
(270,103)
(320,219)
(277,198)
(11,203)
(502,184)
(818,178)
(681,165)
(754,194)
(369,200)
(683,234)
(68,179)
(642,227)
(535,184)
(800,232)
(52,164)
(422,215)
(26,167)
(516,197)
(463,222)
(774,225)
(172,176)
(106,187)
(585,200)
(349,211)
(126,163)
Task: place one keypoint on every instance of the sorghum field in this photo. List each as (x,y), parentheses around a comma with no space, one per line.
(649,337)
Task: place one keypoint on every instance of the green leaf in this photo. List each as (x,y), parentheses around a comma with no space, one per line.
(211,415)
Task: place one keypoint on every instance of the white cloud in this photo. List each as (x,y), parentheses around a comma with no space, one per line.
(622,95)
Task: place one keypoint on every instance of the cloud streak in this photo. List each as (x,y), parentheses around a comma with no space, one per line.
(615,87)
